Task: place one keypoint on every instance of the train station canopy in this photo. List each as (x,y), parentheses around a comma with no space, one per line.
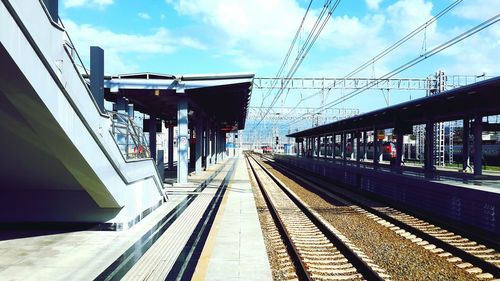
(222,97)
(481,98)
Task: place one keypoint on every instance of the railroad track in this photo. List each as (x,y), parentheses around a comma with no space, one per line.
(318,251)
(476,258)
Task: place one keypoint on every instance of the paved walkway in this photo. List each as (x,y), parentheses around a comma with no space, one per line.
(235,248)
(78,255)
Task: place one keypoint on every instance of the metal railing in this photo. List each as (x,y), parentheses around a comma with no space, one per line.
(129,137)
(74,54)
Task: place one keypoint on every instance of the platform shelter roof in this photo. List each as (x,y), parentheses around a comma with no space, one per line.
(221,97)
(481,98)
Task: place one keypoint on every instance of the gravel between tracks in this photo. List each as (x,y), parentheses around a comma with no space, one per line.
(281,265)
(402,259)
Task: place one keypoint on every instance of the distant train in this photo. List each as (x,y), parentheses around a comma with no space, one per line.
(491,153)
(267,149)
(388,150)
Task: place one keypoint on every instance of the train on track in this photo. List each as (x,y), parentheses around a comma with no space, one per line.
(267,149)
(491,152)
(388,150)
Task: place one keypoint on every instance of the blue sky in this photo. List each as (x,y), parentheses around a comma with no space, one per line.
(216,36)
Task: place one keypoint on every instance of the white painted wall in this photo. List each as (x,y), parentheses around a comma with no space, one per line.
(140,188)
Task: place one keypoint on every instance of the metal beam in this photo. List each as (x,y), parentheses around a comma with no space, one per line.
(355,83)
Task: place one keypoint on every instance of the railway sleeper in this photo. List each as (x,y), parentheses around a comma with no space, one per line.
(328,265)
(314,245)
(330,258)
(331,271)
(338,277)
(318,252)
(339,260)
(484,276)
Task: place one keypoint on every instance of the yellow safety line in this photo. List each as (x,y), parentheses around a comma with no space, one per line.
(202,266)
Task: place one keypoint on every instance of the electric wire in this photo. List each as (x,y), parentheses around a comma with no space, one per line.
(414,61)
(321,21)
(285,60)
(388,49)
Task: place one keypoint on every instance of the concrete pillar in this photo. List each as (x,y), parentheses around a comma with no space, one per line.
(298,147)
(160,166)
(199,144)
(52,7)
(334,142)
(310,147)
(170,148)
(465,146)
(221,146)
(358,145)
(352,154)
(343,151)
(182,141)
(218,142)
(399,150)
(318,145)
(121,104)
(376,148)
(307,146)
(365,146)
(206,140)
(224,141)
(478,145)
(152,136)
(215,150)
(429,146)
(130,110)
(96,75)
(325,146)
(212,144)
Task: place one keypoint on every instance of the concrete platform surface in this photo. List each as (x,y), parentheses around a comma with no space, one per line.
(235,248)
(78,254)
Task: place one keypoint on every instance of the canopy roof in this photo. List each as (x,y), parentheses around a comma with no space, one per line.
(222,97)
(479,98)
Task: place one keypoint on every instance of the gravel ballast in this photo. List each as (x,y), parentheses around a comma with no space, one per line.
(401,258)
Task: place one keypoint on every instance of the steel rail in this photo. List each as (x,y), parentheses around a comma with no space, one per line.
(300,267)
(316,184)
(363,268)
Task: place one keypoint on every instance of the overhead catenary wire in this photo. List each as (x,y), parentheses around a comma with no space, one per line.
(311,39)
(413,62)
(290,49)
(319,25)
(301,51)
(389,49)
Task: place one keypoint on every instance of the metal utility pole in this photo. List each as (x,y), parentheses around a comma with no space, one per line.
(439,134)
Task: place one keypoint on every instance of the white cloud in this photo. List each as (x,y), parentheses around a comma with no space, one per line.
(255,34)
(261,30)
(117,46)
(373,4)
(406,15)
(475,55)
(91,3)
(478,9)
(346,32)
(145,16)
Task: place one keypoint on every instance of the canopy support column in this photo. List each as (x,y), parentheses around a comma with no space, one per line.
(478,145)
(182,141)
(199,144)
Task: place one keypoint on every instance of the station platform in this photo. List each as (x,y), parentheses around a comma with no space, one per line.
(488,181)
(461,199)
(151,248)
(235,247)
